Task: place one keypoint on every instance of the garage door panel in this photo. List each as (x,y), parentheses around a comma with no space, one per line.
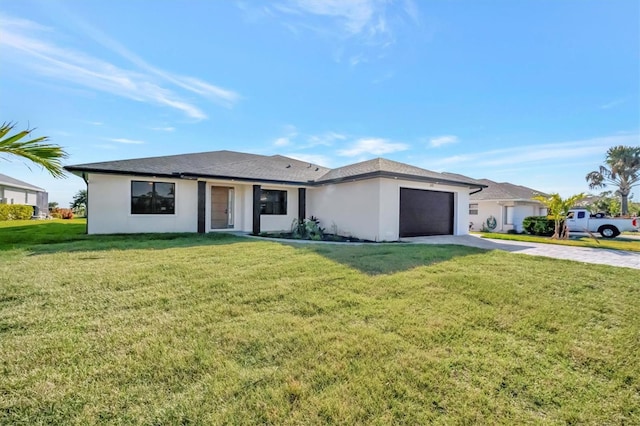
(424,212)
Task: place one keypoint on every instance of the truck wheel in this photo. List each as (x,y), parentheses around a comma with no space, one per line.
(608,231)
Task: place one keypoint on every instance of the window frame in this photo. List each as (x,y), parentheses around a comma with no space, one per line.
(508,209)
(473,211)
(155,201)
(269,207)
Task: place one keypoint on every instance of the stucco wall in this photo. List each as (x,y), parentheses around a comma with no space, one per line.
(16,196)
(370,209)
(109,208)
(353,207)
(279,222)
(521,210)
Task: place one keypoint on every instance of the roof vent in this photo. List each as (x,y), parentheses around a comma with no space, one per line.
(288,166)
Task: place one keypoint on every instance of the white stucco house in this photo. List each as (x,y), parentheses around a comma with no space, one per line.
(507,204)
(378,200)
(14,191)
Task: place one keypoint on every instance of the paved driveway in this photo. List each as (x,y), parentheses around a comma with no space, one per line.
(621,258)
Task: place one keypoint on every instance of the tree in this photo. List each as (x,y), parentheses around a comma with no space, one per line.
(605,202)
(79,202)
(53,205)
(622,169)
(558,208)
(48,156)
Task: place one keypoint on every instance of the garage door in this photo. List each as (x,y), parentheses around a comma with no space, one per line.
(425,212)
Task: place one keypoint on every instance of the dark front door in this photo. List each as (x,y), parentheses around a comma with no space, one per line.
(220,207)
(425,212)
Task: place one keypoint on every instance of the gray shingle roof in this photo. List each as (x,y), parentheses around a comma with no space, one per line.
(504,191)
(275,168)
(223,164)
(9,181)
(382,166)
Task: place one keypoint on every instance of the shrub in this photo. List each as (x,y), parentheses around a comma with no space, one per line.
(15,212)
(538,225)
(66,213)
(307,229)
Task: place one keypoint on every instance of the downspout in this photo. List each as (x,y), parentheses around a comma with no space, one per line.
(85,178)
(475,192)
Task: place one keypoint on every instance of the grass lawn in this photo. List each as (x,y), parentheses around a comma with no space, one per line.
(217,329)
(622,242)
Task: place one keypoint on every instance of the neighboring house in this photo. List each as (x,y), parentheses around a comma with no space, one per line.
(379,200)
(14,191)
(507,203)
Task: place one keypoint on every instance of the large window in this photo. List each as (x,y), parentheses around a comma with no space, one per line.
(273,202)
(152,197)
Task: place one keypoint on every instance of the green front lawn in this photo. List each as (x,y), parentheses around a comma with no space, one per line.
(216,329)
(623,242)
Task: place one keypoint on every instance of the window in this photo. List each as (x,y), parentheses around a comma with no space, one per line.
(152,197)
(581,215)
(473,209)
(508,215)
(273,202)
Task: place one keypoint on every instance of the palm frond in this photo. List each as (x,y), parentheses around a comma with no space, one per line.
(47,156)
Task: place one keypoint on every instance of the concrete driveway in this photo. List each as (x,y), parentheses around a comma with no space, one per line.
(620,258)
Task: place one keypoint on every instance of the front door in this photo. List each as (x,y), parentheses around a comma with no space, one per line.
(221,207)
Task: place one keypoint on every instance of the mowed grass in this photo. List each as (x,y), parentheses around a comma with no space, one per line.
(216,329)
(625,241)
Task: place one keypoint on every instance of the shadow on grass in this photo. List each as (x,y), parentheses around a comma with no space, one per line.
(55,237)
(385,258)
(369,258)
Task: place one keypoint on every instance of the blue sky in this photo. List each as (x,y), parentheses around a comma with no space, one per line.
(530,92)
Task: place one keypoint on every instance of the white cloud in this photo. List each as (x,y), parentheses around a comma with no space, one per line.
(612,104)
(31,47)
(373,146)
(282,142)
(164,129)
(443,140)
(320,160)
(554,152)
(290,133)
(325,139)
(126,141)
(355,16)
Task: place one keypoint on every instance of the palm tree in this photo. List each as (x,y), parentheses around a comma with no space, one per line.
(622,169)
(558,208)
(48,156)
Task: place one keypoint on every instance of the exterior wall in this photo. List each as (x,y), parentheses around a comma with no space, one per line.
(521,209)
(11,195)
(390,206)
(280,222)
(15,196)
(353,207)
(109,209)
(370,209)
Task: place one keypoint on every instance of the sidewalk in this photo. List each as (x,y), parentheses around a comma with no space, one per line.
(627,259)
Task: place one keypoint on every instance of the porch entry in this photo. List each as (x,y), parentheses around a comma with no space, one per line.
(222,207)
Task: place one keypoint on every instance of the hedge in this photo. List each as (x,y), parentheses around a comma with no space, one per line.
(539,225)
(15,212)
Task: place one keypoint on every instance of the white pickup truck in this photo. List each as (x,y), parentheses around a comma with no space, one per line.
(580,220)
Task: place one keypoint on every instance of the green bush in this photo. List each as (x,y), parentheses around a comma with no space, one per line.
(15,212)
(538,225)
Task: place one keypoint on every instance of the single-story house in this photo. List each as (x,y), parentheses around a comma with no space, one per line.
(379,200)
(503,204)
(14,191)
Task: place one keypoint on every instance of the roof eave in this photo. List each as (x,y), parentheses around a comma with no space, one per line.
(79,171)
(384,174)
